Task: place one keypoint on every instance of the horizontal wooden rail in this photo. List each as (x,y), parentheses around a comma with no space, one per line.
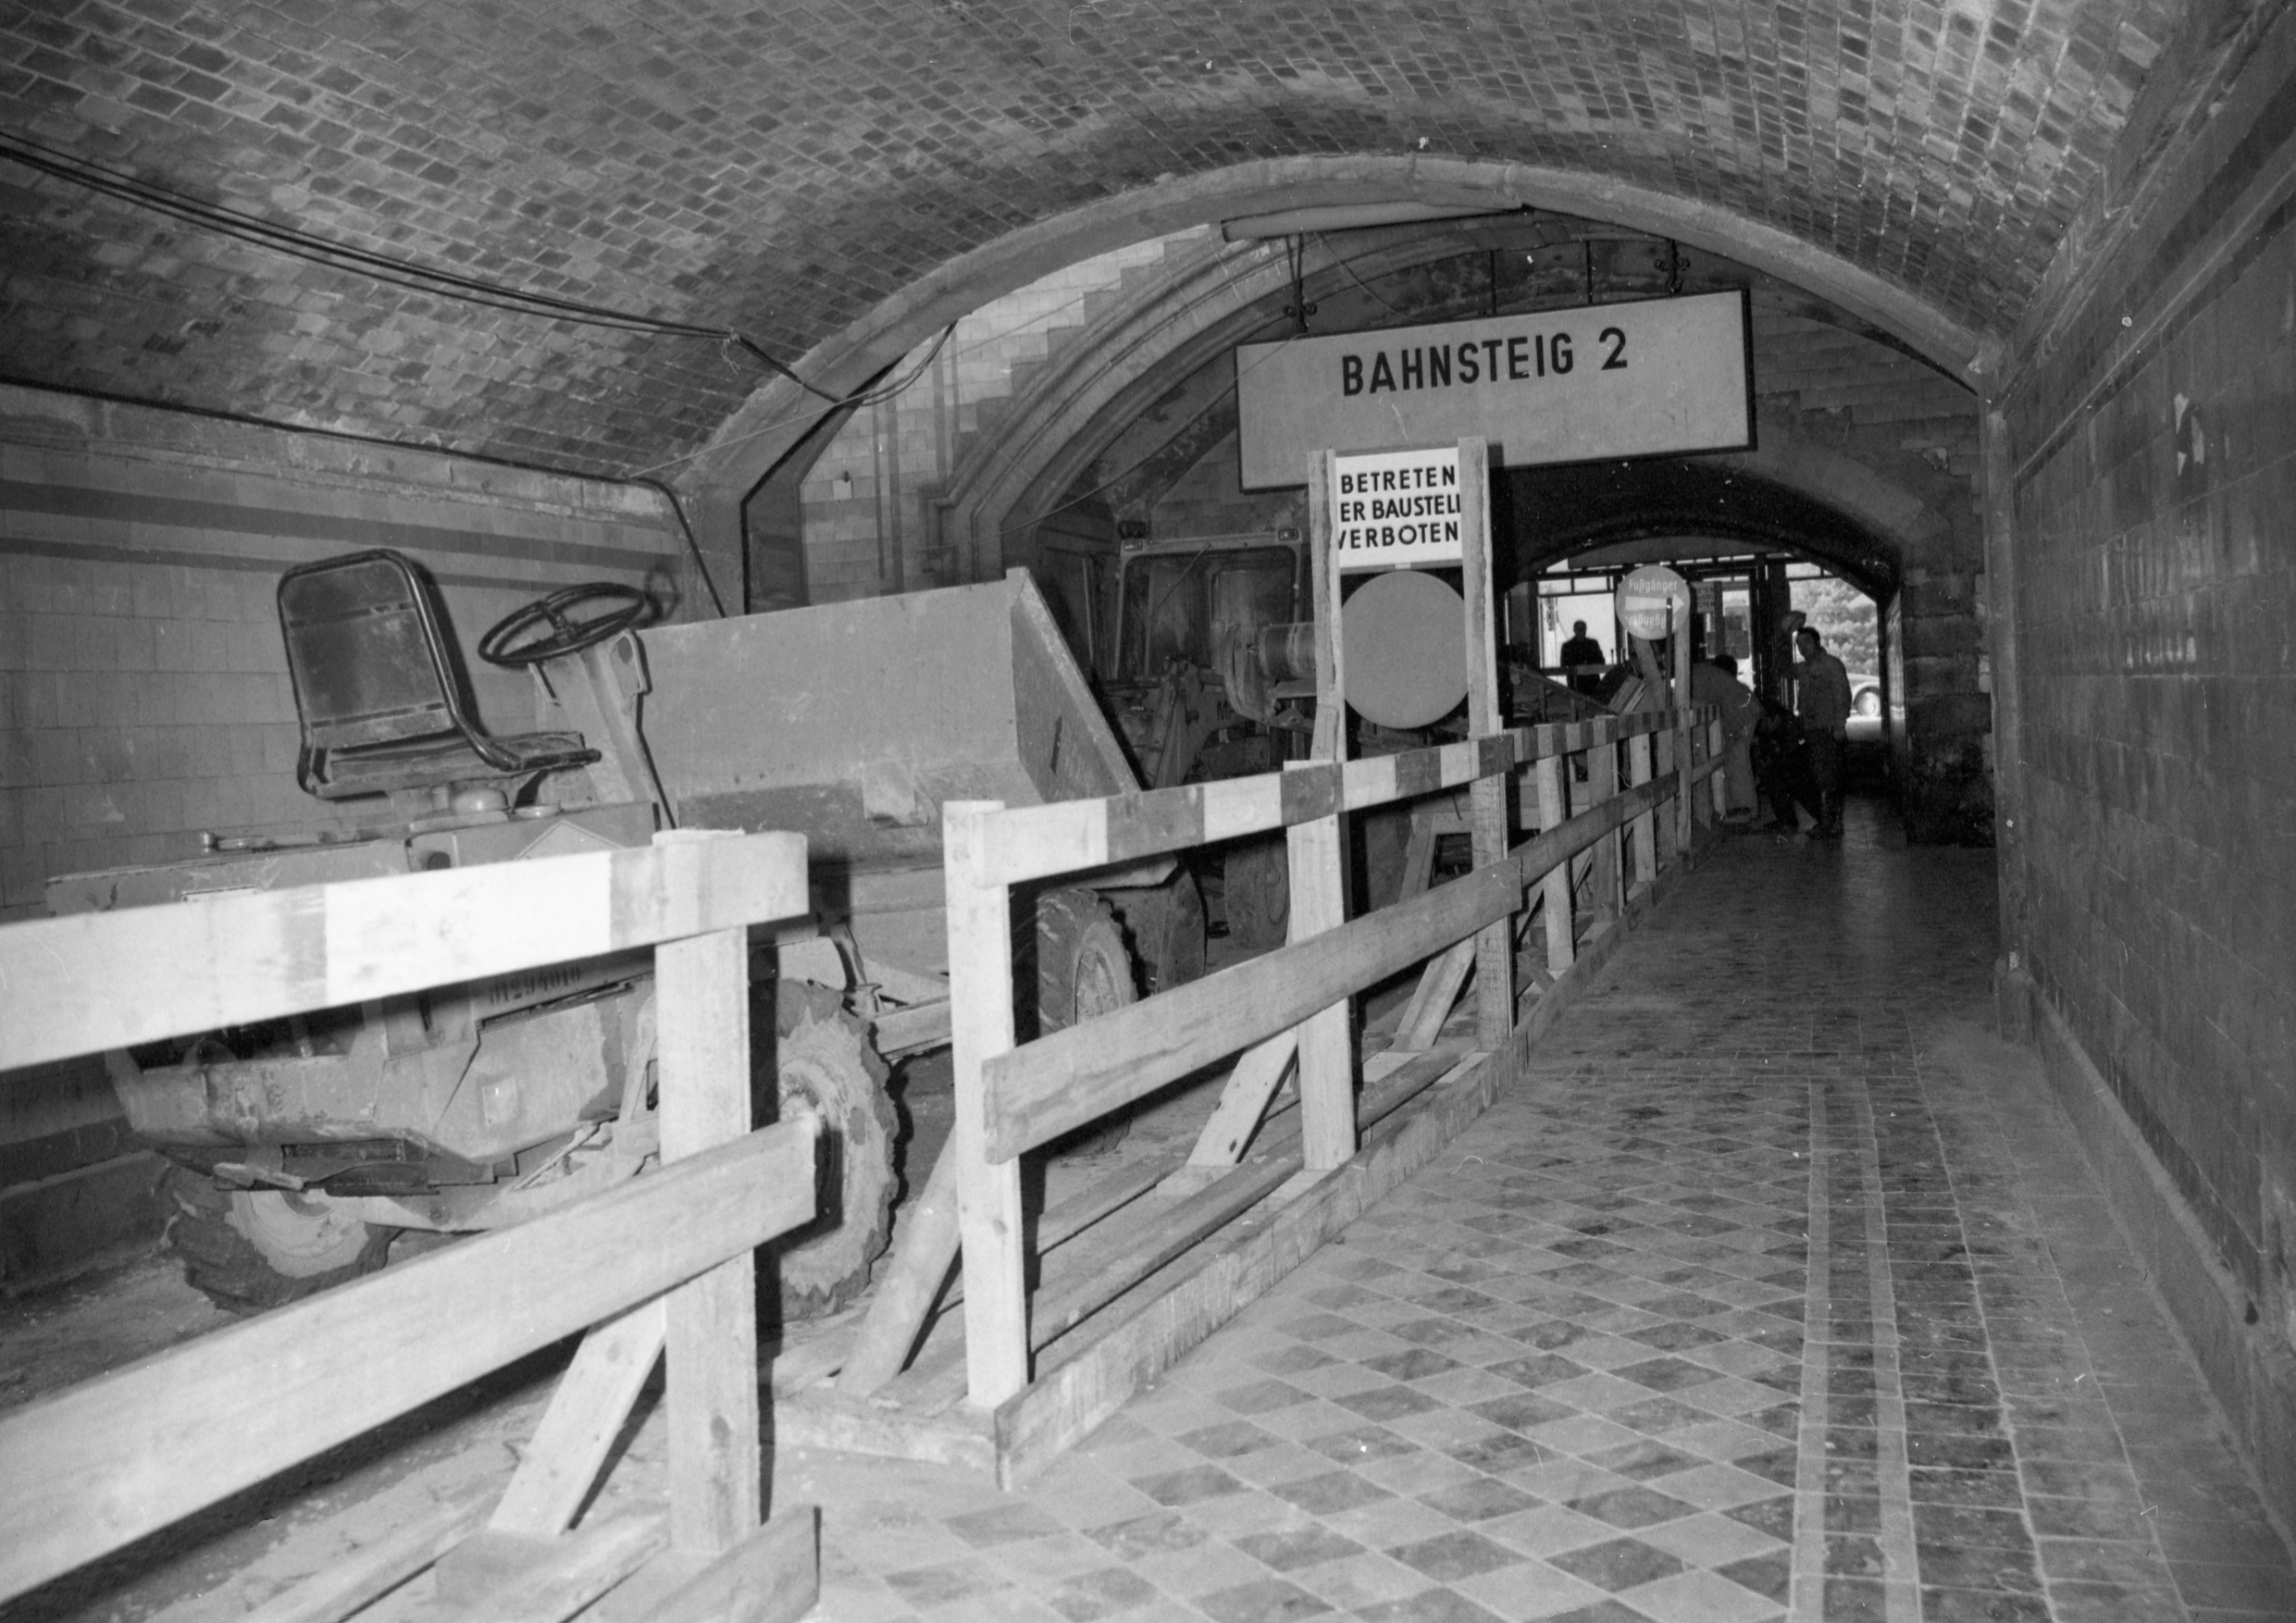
(94,981)
(1067,836)
(1064,1081)
(124,1454)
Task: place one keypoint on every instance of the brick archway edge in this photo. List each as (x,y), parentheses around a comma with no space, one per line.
(778,414)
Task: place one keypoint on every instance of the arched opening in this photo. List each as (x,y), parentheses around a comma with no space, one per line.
(1116,421)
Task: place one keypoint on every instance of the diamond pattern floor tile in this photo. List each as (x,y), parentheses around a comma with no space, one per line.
(1776,1288)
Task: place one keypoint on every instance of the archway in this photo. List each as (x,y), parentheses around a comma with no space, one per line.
(777,416)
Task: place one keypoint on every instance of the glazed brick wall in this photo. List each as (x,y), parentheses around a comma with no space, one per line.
(144,690)
(784,169)
(882,536)
(2155,555)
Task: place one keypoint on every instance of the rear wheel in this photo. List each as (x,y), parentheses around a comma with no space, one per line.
(822,1062)
(249,1250)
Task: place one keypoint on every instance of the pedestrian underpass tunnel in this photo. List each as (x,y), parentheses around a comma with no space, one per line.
(753,308)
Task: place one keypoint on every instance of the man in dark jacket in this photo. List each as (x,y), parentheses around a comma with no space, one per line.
(1582,649)
(1821,690)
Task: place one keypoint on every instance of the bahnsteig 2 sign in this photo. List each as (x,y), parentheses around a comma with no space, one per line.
(1653,377)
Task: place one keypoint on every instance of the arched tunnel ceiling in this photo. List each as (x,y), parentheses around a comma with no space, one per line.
(780,170)
(1546,514)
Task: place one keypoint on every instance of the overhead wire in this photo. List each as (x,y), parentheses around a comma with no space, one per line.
(388,268)
(419,277)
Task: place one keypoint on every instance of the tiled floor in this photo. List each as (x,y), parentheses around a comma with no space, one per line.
(1778,1290)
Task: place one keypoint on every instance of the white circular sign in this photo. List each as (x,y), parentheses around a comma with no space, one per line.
(1647,596)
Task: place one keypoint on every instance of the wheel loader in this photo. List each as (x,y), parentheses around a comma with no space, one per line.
(300,1148)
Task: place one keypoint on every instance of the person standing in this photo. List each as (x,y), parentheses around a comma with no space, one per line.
(1821,689)
(1714,682)
(1582,650)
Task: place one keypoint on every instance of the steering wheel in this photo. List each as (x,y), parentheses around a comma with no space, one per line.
(569,631)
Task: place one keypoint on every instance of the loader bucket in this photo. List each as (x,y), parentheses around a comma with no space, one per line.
(851,722)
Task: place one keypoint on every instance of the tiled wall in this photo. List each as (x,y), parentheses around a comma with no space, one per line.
(144,690)
(2154,541)
(869,519)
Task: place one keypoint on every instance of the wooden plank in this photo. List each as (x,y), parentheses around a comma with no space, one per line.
(1642,837)
(127,1453)
(1174,1231)
(1073,1076)
(773,1576)
(1608,870)
(1679,735)
(1495,955)
(900,1325)
(988,1191)
(716,1467)
(1548,779)
(924,1245)
(585,1414)
(1100,1366)
(548,1581)
(95,981)
(957,1436)
(1432,1001)
(1257,1074)
(1331,678)
(1326,1037)
(374,1570)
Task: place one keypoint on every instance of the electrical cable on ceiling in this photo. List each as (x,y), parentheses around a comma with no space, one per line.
(1348,270)
(382,267)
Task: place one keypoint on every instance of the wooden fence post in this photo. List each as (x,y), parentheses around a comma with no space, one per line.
(1644,836)
(1679,745)
(1326,1037)
(1609,854)
(1548,778)
(1495,948)
(988,1193)
(716,1467)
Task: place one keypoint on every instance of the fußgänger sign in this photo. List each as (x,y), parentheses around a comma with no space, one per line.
(1656,377)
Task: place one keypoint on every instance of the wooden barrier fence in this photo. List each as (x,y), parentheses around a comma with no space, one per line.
(659,1265)
(1286,1011)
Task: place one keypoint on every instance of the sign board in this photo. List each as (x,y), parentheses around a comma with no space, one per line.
(1648,595)
(1397,510)
(1653,377)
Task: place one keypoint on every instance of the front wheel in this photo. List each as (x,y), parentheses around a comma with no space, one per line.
(250,1249)
(1257,892)
(822,1062)
(1084,970)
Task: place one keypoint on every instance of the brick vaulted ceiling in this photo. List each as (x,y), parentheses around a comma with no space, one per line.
(781,169)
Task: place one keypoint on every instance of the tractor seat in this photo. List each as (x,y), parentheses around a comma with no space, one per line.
(378,692)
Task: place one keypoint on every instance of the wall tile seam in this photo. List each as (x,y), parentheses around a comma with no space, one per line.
(448,470)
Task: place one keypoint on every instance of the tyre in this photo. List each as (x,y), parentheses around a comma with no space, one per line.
(1259,892)
(1165,925)
(822,1060)
(1084,970)
(246,1250)
(1869,703)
